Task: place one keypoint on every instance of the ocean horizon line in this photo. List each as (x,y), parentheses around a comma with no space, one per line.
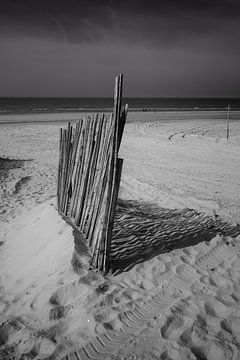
(15,105)
(124,97)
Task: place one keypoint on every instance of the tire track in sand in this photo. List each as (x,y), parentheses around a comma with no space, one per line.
(108,344)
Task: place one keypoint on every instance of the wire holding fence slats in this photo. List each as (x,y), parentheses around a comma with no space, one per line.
(89,174)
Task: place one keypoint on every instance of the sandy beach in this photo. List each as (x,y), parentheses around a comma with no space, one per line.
(173,294)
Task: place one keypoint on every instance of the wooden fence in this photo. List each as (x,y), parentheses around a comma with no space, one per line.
(89,176)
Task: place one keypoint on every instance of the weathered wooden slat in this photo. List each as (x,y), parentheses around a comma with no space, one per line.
(75,139)
(89,174)
(84,164)
(100,237)
(103,226)
(99,214)
(81,165)
(86,167)
(110,221)
(77,169)
(92,175)
(122,122)
(68,157)
(102,180)
(109,210)
(63,166)
(60,162)
(76,152)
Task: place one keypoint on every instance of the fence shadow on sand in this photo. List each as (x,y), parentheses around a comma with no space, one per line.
(142,231)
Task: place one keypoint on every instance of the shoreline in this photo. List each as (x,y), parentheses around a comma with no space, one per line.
(109,110)
(133,116)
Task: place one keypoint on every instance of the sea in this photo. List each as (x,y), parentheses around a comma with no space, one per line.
(18,105)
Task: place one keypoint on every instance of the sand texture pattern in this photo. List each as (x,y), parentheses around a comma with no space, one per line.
(174,287)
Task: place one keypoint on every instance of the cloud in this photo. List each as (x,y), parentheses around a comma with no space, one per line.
(132,21)
(34,67)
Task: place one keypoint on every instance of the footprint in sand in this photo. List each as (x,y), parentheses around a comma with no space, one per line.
(101,314)
(198,339)
(216,308)
(212,351)
(106,318)
(236,292)
(191,252)
(202,287)
(55,331)
(177,354)
(128,295)
(46,348)
(199,329)
(187,259)
(8,331)
(69,292)
(58,312)
(172,326)
(226,299)
(113,325)
(220,281)
(25,343)
(187,307)
(234,270)
(160,267)
(92,278)
(164,257)
(147,284)
(187,273)
(232,325)
(29,354)
(163,269)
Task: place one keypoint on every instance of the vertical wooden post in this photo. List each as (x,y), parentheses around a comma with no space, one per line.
(228,110)
(115,171)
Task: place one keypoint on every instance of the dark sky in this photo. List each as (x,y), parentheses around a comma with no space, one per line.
(75,48)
